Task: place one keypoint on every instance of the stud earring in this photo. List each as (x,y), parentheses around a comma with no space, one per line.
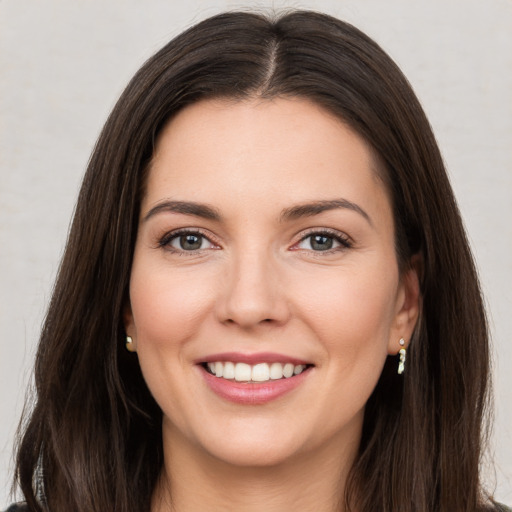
(402,352)
(129,344)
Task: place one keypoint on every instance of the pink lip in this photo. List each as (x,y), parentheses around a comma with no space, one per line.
(260,357)
(252,393)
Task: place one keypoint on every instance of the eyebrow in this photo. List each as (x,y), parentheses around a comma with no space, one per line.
(317,207)
(295,212)
(185,207)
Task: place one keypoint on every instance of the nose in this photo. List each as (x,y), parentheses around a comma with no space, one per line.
(253,292)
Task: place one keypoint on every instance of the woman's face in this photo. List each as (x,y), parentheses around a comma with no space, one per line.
(265,248)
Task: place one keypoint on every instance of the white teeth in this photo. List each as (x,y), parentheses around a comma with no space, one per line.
(288,370)
(242,372)
(229,370)
(261,372)
(298,369)
(276,371)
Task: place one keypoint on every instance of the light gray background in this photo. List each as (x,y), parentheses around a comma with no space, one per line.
(63,64)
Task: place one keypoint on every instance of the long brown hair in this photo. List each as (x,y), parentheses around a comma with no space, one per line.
(93,439)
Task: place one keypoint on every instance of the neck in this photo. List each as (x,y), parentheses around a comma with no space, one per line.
(192,480)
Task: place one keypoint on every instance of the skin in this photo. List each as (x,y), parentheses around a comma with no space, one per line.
(258,284)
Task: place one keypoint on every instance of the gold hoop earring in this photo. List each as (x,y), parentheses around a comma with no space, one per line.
(129,344)
(403,354)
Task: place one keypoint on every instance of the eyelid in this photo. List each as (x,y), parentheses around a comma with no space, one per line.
(164,240)
(342,238)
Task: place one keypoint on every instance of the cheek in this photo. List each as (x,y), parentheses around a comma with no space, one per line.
(351,312)
(168,310)
(167,306)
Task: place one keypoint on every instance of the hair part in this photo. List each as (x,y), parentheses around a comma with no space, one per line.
(95,429)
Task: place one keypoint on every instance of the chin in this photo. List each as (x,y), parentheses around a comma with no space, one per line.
(253,454)
(251,447)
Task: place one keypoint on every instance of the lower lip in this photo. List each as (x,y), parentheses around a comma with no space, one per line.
(253,393)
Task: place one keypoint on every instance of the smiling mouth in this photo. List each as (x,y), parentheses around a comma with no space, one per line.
(261,372)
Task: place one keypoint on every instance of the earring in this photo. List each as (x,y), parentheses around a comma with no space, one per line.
(402,352)
(129,344)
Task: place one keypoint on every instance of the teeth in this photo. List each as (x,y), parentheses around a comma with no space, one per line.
(242,371)
(288,370)
(298,369)
(261,372)
(219,367)
(229,370)
(276,371)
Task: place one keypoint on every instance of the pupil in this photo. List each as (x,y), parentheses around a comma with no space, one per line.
(321,243)
(190,242)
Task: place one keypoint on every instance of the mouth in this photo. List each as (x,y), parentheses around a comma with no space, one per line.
(253,374)
(253,379)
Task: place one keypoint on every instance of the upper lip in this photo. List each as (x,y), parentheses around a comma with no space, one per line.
(252,359)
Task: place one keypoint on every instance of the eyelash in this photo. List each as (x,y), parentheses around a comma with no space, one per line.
(165,241)
(344,241)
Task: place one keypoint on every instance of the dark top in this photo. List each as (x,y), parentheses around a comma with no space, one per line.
(23,508)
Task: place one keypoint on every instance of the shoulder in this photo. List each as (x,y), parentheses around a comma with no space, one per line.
(17,507)
(502,508)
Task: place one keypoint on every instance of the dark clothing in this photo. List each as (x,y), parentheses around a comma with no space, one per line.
(20,507)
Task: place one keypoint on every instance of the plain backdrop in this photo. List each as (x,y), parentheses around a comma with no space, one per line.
(64,63)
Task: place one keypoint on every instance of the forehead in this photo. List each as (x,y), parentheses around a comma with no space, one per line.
(275,150)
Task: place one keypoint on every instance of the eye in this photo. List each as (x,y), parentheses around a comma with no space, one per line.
(186,241)
(323,242)
(189,242)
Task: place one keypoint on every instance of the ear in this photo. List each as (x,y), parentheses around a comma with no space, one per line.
(129,327)
(408,305)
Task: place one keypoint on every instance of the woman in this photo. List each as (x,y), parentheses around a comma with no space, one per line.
(267,298)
